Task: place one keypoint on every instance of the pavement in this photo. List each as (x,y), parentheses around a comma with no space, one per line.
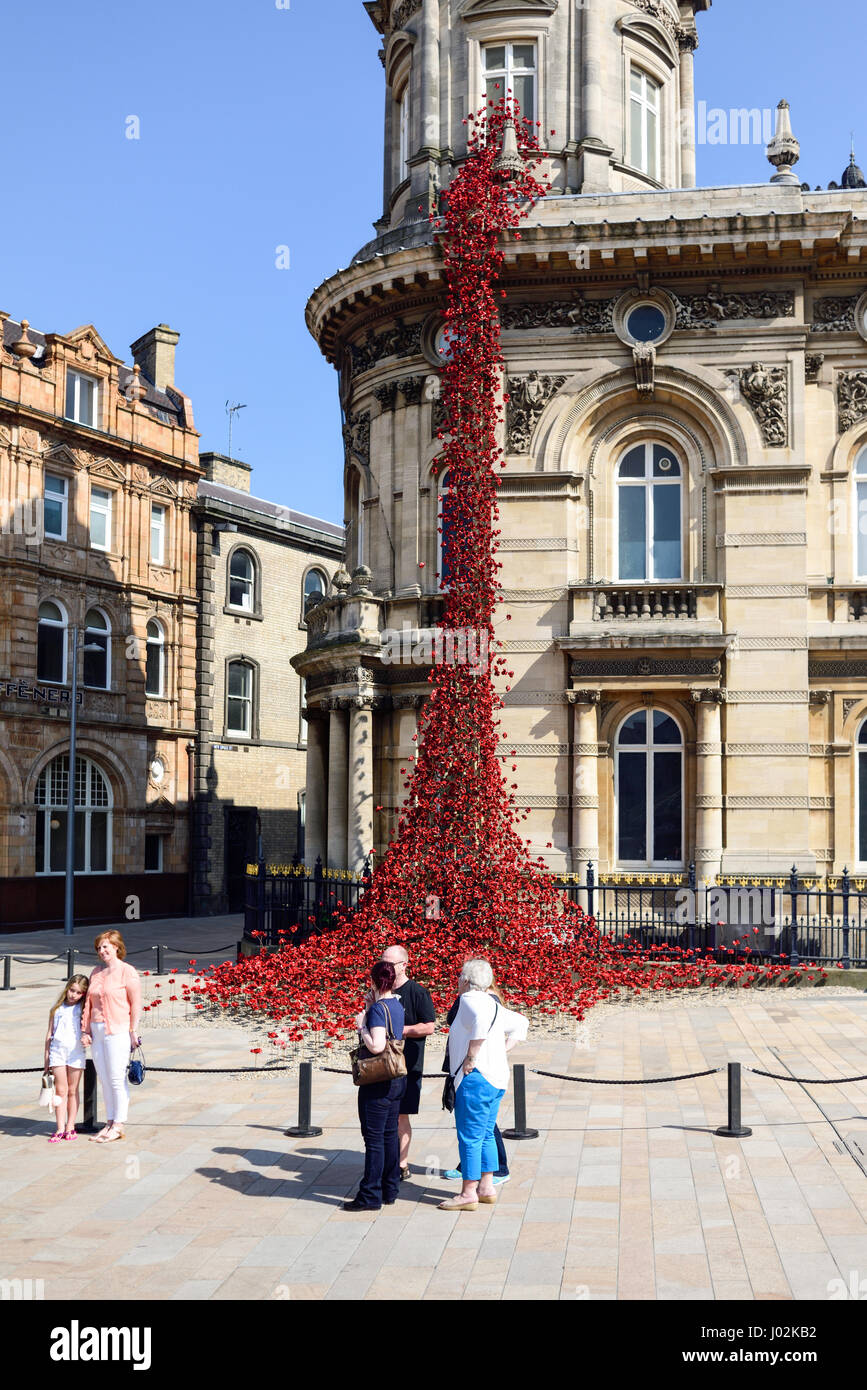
(627,1193)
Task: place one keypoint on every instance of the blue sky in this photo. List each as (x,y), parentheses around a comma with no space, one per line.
(261,127)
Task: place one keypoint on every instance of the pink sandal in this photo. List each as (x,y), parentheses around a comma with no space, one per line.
(70,1134)
(56,1138)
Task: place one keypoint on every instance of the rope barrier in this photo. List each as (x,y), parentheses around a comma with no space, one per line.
(627,1081)
(808,1080)
(28,960)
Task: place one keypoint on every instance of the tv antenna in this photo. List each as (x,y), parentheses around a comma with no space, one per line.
(231,411)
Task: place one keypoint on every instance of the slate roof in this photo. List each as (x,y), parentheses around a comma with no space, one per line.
(220,493)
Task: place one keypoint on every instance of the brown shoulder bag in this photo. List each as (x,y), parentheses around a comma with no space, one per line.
(368,1067)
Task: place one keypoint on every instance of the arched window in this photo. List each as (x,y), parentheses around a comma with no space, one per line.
(861,514)
(355,525)
(97,649)
(644,101)
(649,791)
(649,514)
(93,817)
(315,582)
(51,643)
(155,667)
(403,118)
(242,581)
(445,527)
(239,699)
(862,793)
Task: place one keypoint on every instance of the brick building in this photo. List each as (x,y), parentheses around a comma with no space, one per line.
(260,566)
(98,475)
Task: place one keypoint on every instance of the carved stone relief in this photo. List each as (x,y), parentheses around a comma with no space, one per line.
(834,314)
(399,341)
(581,315)
(767,391)
(851,399)
(812,366)
(717,305)
(356,438)
(528,396)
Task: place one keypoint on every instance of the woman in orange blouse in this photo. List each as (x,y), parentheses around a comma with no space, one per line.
(110,1024)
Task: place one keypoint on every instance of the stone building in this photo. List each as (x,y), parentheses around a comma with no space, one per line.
(98,475)
(260,566)
(684,555)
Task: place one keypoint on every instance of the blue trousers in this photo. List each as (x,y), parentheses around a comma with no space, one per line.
(502,1169)
(476,1106)
(378,1109)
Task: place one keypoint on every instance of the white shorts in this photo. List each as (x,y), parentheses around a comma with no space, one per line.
(61,1055)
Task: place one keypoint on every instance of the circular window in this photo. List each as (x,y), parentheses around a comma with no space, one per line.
(157,770)
(646,323)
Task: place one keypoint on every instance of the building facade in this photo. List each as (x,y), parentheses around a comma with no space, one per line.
(260,567)
(98,476)
(682,511)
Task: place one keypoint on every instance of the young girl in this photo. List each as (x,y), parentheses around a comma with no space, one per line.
(64,1054)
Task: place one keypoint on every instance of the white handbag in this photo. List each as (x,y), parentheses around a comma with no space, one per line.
(47,1096)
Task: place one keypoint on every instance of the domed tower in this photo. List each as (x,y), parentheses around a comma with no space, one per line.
(686,400)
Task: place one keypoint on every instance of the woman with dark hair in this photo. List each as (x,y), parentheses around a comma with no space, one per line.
(379,1103)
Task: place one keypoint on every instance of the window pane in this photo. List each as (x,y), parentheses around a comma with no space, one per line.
(238,715)
(524,55)
(666,532)
(53,515)
(87,402)
(40,841)
(241,566)
(633,465)
(158,517)
(239,679)
(635,729)
(862,802)
(153,854)
(666,807)
(495,90)
(862,528)
(665,465)
(98,842)
(664,728)
(495,57)
(632,806)
(635,81)
(636,154)
(94,619)
(80,836)
(240,593)
(862,733)
(56,486)
(57,842)
(49,654)
(96,663)
(633,533)
(70,396)
(652,144)
(153,670)
(524,94)
(861,462)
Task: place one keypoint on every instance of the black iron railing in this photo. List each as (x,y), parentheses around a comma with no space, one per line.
(789,917)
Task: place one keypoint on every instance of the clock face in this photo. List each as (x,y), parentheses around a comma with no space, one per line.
(157,770)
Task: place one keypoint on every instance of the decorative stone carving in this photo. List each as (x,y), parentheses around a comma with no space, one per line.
(711,697)
(581,315)
(437,417)
(411,388)
(404,11)
(767,391)
(399,341)
(835,670)
(140,473)
(361,577)
(528,396)
(819,697)
(356,438)
(851,399)
(717,305)
(659,11)
(387,395)
(834,313)
(584,697)
(341,583)
(644,362)
(361,675)
(849,705)
(407,701)
(812,366)
(363,701)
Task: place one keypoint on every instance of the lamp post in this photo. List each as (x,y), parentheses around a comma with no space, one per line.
(69,894)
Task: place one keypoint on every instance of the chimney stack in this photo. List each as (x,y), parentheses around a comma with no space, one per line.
(154,353)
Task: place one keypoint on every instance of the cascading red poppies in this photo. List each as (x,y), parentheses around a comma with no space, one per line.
(458,880)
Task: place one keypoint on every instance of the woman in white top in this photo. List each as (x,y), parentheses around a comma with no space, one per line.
(483,1032)
(64,1054)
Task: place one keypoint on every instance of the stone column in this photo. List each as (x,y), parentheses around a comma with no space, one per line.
(688,43)
(360,817)
(406,709)
(429,126)
(708,784)
(593,150)
(316,804)
(585,780)
(338,777)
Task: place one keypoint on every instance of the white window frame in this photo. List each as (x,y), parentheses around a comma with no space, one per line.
(161,644)
(49,807)
(638,159)
(859,482)
(248,699)
(101,632)
(404,115)
(106,509)
(64,626)
(509,72)
(157,508)
(248,607)
(648,482)
(63,500)
(648,749)
(74,381)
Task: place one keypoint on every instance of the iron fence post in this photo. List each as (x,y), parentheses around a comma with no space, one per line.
(304,1129)
(70,963)
(89,1123)
(794,956)
(520,1131)
(734,1129)
(7,974)
(260,891)
(591,890)
(846,962)
(690,880)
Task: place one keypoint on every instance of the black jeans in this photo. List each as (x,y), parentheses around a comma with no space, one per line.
(378,1110)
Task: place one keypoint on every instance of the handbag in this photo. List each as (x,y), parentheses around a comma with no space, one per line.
(137,1068)
(449,1088)
(369,1067)
(47,1096)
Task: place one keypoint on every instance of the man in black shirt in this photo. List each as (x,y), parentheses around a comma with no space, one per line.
(420,1023)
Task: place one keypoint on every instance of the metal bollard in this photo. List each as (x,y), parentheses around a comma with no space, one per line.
(304,1129)
(7,973)
(70,963)
(89,1123)
(734,1129)
(160,960)
(520,1131)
